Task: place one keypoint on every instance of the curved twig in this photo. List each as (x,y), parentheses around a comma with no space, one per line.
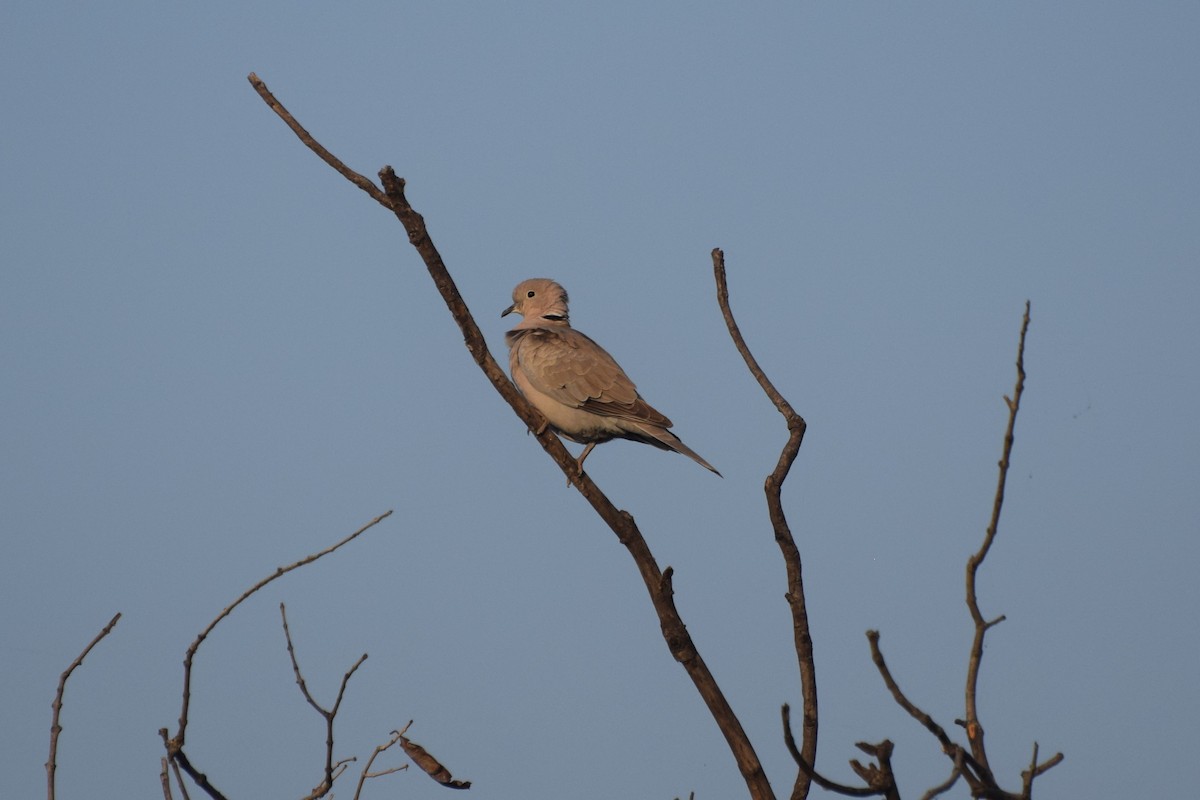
(783,533)
(807,768)
(920,716)
(944,786)
(674,632)
(55,727)
(174,744)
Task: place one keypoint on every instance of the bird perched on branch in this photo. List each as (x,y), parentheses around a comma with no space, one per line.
(579,388)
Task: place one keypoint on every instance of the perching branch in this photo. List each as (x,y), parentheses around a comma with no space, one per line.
(55,727)
(971,765)
(657,582)
(174,744)
(783,535)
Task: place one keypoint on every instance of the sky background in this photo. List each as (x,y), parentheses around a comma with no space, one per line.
(218,356)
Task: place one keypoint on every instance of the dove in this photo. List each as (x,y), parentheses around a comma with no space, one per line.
(579,388)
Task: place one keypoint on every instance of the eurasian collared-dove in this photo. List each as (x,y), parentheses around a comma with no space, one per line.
(578,387)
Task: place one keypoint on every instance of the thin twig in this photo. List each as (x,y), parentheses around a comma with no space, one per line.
(807,768)
(366,771)
(287,634)
(979,777)
(179,781)
(944,786)
(920,716)
(773,486)
(882,775)
(329,158)
(55,727)
(973,725)
(1036,769)
(675,633)
(164,777)
(332,770)
(180,758)
(174,745)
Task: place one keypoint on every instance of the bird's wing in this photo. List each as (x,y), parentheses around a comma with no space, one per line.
(569,367)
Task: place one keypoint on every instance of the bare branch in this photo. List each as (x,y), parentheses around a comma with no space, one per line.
(675,633)
(807,768)
(55,727)
(332,770)
(773,486)
(882,775)
(179,780)
(973,726)
(164,777)
(295,664)
(312,144)
(1036,769)
(944,786)
(174,745)
(973,766)
(948,746)
(366,771)
(180,759)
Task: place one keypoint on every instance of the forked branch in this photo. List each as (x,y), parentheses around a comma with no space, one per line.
(972,764)
(332,769)
(174,744)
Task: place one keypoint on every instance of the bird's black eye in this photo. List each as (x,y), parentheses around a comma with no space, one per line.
(531,293)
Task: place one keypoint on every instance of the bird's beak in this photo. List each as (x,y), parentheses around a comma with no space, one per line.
(508,310)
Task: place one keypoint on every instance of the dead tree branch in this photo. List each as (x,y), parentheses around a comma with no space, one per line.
(820,780)
(55,727)
(179,781)
(972,765)
(332,769)
(312,144)
(973,726)
(657,582)
(164,777)
(366,770)
(174,744)
(773,486)
(944,786)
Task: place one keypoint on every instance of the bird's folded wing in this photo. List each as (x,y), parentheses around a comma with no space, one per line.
(572,369)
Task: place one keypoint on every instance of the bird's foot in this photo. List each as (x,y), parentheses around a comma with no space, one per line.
(574,479)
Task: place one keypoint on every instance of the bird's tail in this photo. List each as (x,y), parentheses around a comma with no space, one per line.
(661,437)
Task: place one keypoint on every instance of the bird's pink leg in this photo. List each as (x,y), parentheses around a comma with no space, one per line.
(579,461)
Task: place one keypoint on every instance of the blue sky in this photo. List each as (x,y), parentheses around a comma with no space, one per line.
(218,357)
